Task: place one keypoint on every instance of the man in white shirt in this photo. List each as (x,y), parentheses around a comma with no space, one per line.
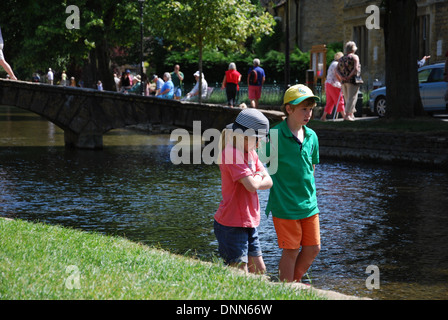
(50,76)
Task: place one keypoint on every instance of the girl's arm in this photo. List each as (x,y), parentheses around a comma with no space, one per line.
(259,181)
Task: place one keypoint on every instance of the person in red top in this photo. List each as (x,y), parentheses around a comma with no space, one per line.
(230,82)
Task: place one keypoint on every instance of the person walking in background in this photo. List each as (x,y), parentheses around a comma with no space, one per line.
(242,174)
(117,82)
(333,89)
(255,80)
(3,62)
(348,69)
(145,82)
(177,77)
(292,198)
(230,82)
(50,76)
(63,78)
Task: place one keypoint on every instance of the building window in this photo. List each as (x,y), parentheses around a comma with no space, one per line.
(360,36)
(423,35)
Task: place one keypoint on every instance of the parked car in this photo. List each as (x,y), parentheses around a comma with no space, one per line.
(432,91)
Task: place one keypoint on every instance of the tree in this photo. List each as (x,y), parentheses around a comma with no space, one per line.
(38,36)
(210,23)
(403,94)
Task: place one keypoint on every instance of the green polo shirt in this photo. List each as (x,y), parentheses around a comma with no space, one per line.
(293,194)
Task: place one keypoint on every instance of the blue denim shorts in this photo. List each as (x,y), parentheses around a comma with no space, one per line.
(235,244)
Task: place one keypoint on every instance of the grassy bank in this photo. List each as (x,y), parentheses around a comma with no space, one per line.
(39,261)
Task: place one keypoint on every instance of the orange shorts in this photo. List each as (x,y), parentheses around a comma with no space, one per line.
(291,234)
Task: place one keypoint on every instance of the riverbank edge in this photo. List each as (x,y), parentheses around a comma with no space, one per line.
(320,294)
(428,149)
(372,140)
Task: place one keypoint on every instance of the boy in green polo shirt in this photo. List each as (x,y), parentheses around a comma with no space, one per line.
(292,199)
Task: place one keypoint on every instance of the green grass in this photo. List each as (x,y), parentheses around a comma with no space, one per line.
(39,261)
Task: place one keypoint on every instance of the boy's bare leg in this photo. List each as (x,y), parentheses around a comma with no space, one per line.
(304,261)
(287,264)
(294,263)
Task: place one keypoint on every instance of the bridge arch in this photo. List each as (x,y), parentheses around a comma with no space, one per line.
(86,114)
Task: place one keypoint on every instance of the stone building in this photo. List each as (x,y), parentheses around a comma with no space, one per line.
(314,22)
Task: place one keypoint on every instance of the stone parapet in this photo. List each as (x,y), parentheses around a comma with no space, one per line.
(86,114)
(386,147)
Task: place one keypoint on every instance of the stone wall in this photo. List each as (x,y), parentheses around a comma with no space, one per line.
(327,21)
(386,147)
(440,30)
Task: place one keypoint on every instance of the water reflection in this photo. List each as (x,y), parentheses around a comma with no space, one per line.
(388,216)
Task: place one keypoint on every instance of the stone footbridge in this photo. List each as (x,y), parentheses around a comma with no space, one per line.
(86,114)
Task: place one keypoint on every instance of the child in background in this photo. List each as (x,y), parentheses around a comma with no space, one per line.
(292,199)
(242,174)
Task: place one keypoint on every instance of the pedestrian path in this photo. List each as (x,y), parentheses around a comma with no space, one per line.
(442,116)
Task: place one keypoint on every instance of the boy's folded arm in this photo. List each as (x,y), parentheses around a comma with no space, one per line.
(266,183)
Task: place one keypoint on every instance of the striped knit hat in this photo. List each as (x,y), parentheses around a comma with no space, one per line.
(251,122)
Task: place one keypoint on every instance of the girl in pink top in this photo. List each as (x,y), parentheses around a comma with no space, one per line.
(242,174)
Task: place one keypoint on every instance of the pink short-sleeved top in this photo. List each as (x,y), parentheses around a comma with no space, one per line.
(239,207)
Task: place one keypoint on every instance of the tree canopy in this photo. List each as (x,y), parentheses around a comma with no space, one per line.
(36,36)
(210,24)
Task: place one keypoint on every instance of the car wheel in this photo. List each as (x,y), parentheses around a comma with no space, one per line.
(380,106)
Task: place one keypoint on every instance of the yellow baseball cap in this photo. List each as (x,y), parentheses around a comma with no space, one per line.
(297,93)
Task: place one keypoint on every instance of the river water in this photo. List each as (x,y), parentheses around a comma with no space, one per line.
(391,217)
